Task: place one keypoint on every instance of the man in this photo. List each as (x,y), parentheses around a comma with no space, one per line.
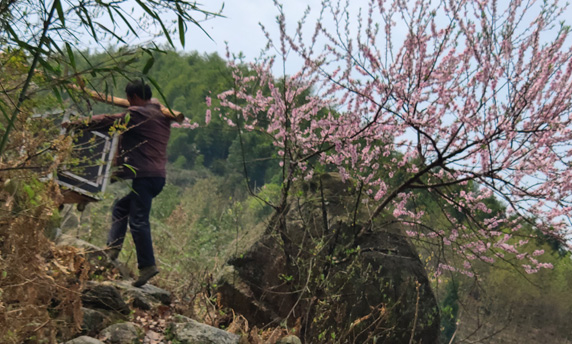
(142,157)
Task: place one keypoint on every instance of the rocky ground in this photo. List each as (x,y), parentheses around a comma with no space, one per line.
(114,312)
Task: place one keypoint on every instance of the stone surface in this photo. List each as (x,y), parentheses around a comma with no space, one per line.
(324,247)
(84,340)
(192,332)
(137,298)
(104,296)
(291,339)
(161,295)
(144,296)
(93,321)
(123,333)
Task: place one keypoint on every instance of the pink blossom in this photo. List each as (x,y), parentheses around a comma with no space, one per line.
(437,118)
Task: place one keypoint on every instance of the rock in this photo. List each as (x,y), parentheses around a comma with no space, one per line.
(193,332)
(122,333)
(159,294)
(291,339)
(320,264)
(84,340)
(93,321)
(145,296)
(233,287)
(104,296)
(138,299)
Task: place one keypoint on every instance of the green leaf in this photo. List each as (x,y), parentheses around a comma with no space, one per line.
(127,22)
(154,83)
(166,32)
(58,95)
(104,28)
(182,31)
(70,55)
(148,10)
(55,45)
(29,191)
(131,168)
(60,10)
(148,65)
(88,21)
(47,66)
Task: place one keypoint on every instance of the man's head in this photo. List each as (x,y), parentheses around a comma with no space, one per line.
(137,91)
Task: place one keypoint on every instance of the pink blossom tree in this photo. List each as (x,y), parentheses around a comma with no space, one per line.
(427,95)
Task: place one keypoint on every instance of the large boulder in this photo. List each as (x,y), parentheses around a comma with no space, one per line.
(324,268)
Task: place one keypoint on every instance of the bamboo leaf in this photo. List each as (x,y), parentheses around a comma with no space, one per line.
(58,5)
(182,30)
(58,95)
(157,18)
(154,83)
(166,32)
(111,32)
(24,45)
(127,22)
(55,45)
(148,10)
(89,22)
(148,65)
(47,66)
(70,55)
(110,14)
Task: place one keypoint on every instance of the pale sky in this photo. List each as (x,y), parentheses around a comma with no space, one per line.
(242,31)
(241,27)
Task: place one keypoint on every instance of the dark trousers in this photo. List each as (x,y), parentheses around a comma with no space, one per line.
(134,210)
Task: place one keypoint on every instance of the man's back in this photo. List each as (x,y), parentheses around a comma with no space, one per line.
(144,144)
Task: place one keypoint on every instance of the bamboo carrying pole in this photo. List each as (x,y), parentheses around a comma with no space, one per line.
(121,102)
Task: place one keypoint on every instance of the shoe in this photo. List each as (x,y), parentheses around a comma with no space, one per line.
(113,253)
(145,274)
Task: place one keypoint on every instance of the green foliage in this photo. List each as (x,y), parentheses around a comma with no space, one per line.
(267,195)
(256,153)
(166,202)
(449,311)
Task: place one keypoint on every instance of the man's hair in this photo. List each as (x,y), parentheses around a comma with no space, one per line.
(138,88)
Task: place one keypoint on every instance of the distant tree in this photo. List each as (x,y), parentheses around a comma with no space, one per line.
(465,92)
